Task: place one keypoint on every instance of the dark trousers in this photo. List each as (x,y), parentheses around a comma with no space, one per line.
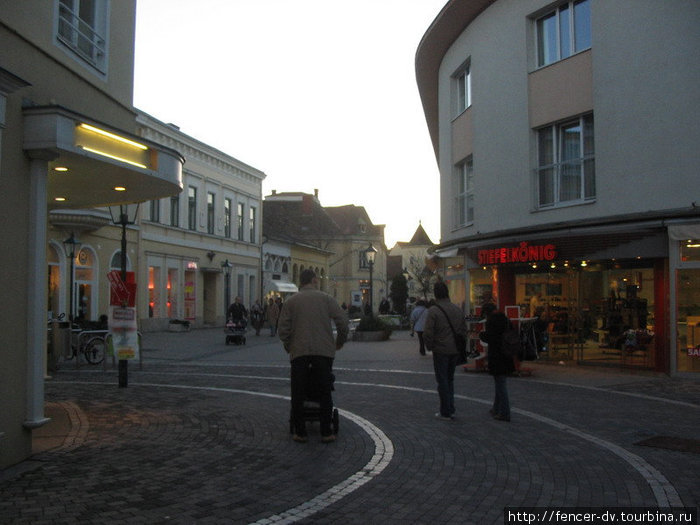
(312,375)
(421,343)
(444,365)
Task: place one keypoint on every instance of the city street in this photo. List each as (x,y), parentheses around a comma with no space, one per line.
(201,435)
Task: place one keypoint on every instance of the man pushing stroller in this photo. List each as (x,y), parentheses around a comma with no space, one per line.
(307,335)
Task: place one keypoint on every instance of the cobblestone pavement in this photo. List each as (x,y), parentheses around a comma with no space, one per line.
(201,435)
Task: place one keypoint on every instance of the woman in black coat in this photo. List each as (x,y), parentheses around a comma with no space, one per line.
(499,365)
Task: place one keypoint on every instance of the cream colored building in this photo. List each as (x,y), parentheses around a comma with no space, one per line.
(68,142)
(197,245)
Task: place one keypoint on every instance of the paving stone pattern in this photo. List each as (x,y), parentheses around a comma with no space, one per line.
(201,435)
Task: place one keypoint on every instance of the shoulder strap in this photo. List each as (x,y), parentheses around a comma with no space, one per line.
(448,320)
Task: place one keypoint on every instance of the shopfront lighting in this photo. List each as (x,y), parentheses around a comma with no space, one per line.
(114,157)
(584,264)
(119,188)
(60,168)
(113,136)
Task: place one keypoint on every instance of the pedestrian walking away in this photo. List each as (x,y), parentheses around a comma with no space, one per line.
(305,329)
(272,314)
(418,316)
(440,340)
(500,365)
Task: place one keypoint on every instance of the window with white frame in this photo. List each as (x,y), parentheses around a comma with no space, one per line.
(175,210)
(566,162)
(227,217)
(563,32)
(211,202)
(82,28)
(464,192)
(239,221)
(155,211)
(251,223)
(463,86)
(192,208)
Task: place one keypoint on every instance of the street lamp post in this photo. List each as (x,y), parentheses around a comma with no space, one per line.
(226,265)
(122,219)
(71,246)
(370,254)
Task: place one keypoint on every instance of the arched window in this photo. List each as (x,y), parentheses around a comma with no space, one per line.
(85,285)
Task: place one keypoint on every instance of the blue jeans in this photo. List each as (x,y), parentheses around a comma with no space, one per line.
(501,405)
(312,379)
(444,365)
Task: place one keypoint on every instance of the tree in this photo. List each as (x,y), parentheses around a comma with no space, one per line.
(422,274)
(398,293)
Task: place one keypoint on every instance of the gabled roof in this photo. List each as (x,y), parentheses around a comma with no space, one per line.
(297,216)
(350,218)
(420,238)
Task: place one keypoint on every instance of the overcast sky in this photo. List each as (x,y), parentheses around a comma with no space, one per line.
(315,93)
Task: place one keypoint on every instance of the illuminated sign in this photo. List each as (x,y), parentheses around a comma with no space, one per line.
(524,253)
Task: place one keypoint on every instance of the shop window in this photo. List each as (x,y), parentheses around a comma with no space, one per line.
(690,250)
(85,285)
(688,320)
(566,163)
(82,27)
(172,290)
(563,32)
(464,192)
(154,291)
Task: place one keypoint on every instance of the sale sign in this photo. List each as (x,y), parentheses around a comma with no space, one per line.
(122,316)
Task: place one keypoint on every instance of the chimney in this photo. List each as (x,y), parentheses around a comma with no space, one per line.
(316,193)
(274,192)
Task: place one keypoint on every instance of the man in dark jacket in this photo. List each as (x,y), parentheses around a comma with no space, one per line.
(439,338)
(500,366)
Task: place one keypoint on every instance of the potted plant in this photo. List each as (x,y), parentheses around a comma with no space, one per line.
(372,329)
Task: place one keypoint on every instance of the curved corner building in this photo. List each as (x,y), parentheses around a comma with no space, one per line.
(568,141)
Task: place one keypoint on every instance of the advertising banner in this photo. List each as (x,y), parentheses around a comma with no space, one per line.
(122,316)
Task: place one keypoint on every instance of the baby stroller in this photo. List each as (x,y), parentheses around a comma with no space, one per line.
(312,407)
(235,331)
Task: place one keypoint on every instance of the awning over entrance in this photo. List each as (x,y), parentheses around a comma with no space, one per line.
(92,165)
(284,286)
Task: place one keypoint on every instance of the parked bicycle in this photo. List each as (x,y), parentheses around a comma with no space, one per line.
(89,345)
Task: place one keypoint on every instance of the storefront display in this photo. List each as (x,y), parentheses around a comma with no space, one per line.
(586,309)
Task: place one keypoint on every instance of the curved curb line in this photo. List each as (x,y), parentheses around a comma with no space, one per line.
(383,454)
(664,492)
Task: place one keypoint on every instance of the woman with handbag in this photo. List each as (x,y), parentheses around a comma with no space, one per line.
(444,325)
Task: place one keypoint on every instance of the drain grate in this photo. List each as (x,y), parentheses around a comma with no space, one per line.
(672,443)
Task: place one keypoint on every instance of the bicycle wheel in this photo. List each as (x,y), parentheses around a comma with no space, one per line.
(95,350)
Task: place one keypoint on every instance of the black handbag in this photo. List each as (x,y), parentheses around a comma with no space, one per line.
(460,340)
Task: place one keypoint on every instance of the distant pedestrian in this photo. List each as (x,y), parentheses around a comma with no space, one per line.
(257,317)
(306,331)
(500,366)
(272,314)
(439,338)
(418,316)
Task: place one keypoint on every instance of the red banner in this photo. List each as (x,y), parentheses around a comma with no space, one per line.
(122,293)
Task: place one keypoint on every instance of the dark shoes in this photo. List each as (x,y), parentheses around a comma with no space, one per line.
(499,417)
(330,438)
(299,438)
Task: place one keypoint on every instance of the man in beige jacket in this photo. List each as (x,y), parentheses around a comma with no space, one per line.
(307,334)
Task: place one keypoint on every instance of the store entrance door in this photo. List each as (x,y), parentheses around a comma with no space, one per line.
(688,320)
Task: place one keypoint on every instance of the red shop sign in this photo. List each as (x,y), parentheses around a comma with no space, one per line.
(524,253)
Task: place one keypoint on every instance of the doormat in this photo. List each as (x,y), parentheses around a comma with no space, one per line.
(672,443)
